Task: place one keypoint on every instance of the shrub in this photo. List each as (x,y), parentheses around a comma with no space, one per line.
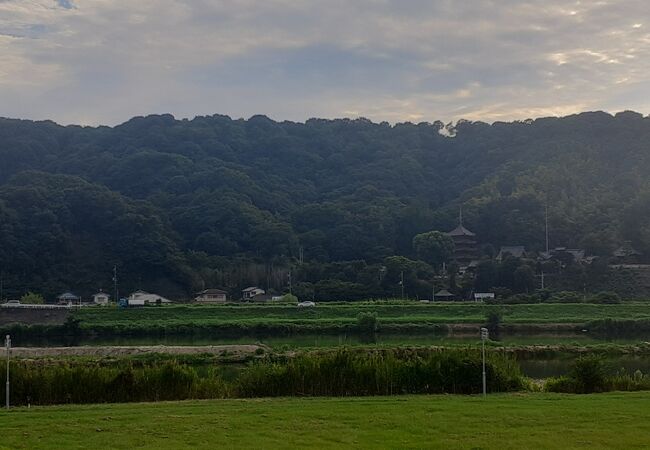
(565,297)
(606,297)
(493,321)
(588,372)
(563,384)
(367,322)
(31,298)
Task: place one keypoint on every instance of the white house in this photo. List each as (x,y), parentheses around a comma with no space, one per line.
(211,296)
(251,292)
(101,298)
(141,298)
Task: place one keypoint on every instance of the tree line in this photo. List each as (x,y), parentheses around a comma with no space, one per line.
(345,206)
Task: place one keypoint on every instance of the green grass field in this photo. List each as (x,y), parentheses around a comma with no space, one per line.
(513,421)
(342,314)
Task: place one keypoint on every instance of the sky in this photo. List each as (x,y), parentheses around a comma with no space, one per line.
(97,62)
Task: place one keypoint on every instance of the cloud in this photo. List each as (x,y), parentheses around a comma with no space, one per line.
(102,61)
(67,4)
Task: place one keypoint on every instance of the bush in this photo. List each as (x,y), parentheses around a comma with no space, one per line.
(367,322)
(606,297)
(31,298)
(289,298)
(564,384)
(589,375)
(493,321)
(565,297)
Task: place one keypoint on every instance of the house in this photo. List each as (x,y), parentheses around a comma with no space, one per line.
(251,292)
(627,254)
(101,298)
(141,298)
(482,296)
(67,298)
(211,296)
(444,295)
(564,254)
(517,251)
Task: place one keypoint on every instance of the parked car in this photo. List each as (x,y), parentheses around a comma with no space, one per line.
(12,302)
(306,304)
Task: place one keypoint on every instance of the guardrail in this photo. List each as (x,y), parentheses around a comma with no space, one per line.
(26,306)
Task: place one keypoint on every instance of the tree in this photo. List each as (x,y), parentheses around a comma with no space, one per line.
(31,298)
(524,279)
(433,247)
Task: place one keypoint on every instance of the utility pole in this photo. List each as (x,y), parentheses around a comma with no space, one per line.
(117,298)
(546,225)
(484,337)
(290,287)
(401,282)
(8,350)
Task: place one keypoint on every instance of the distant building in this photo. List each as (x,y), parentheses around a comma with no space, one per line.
(465,247)
(517,251)
(444,295)
(101,298)
(627,253)
(482,296)
(211,296)
(141,298)
(251,292)
(67,298)
(565,254)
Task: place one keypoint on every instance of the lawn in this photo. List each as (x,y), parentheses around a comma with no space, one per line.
(515,421)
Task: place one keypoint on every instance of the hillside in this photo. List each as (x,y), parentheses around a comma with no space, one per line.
(179,205)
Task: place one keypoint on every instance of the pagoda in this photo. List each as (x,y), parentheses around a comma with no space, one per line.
(465,247)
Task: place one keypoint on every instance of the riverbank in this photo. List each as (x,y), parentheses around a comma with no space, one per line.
(503,421)
(286,320)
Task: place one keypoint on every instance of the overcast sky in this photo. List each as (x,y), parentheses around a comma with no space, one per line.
(104,61)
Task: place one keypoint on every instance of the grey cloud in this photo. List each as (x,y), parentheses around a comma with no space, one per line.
(102,61)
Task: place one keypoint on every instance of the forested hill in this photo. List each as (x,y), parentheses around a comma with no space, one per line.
(176,204)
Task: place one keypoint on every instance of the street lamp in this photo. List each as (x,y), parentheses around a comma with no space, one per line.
(8,349)
(484,336)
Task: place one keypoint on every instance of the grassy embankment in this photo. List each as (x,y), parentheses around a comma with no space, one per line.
(616,420)
(230,320)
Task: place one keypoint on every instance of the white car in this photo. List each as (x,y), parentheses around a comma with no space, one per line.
(306,304)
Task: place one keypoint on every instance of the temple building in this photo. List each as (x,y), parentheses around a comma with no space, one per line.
(465,247)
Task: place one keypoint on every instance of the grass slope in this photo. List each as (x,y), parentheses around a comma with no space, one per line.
(338,314)
(617,420)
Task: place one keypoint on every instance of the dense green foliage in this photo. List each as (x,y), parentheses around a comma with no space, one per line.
(340,373)
(215,202)
(589,374)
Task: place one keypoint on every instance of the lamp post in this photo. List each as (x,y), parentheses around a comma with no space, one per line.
(8,349)
(484,337)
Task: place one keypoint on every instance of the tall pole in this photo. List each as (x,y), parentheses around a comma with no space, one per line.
(401,282)
(546,225)
(484,336)
(484,381)
(290,287)
(117,299)
(8,349)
